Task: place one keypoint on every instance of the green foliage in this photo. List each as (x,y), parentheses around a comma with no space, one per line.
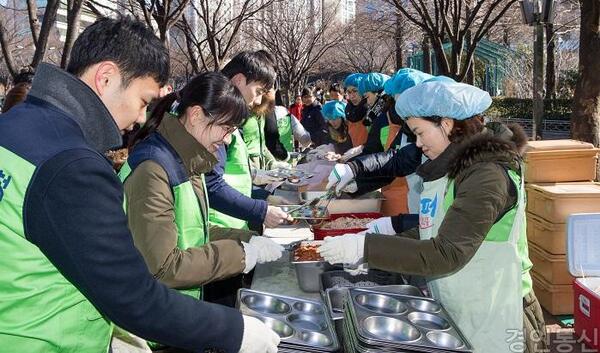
(554,109)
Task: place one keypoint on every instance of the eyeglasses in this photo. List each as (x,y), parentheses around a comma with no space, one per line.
(228,130)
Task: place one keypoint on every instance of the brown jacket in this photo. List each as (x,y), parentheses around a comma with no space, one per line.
(152,219)
(483,194)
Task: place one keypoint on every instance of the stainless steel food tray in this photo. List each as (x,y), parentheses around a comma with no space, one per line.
(299,322)
(402,322)
(309,272)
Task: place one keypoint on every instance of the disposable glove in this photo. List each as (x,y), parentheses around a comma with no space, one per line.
(263,178)
(345,249)
(381,225)
(258,338)
(362,269)
(343,178)
(275,216)
(268,250)
(251,256)
(275,200)
(353,152)
(281,165)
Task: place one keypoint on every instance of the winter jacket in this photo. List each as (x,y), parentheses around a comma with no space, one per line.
(272,137)
(483,194)
(296,110)
(314,123)
(150,209)
(73,214)
(373,144)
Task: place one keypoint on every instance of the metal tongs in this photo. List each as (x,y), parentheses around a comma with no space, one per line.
(328,196)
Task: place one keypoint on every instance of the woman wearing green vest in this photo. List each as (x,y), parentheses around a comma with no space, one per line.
(166,198)
(471,242)
(253,133)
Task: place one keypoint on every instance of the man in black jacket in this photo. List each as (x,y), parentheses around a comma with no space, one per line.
(69,265)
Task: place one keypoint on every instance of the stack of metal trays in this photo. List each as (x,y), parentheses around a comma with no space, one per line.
(334,285)
(384,322)
(303,325)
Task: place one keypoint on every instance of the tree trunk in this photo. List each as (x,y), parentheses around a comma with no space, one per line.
(73,15)
(34,23)
(399,42)
(6,54)
(426,55)
(550,66)
(49,19)
(585,120)
(470,77)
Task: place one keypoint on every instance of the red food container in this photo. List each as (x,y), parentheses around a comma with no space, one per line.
(583,247)
(320,234)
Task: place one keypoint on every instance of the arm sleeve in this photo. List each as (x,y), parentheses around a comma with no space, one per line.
(272,140)
(152,222)
(73,212)
(373,144)
(300,133)
(479,199)
(224,198)
(393,163)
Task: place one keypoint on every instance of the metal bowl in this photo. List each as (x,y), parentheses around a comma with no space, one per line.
(425,305)
(444,339)
(307,322)
(429,321)
(266,304)
(316,339)
(391,329)
(308,308)
(281,328)
(380,303)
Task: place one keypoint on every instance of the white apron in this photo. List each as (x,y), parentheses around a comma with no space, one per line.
(483,298)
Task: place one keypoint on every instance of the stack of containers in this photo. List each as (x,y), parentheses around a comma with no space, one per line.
(559,178)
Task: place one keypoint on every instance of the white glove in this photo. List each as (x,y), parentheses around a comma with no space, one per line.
(280,165)
(258,338)
(344,249)
(275,216)
(353,152)
(381,225)
(275,200)
(343,178)
(251,256)
(263,178)
(268,250)
(362,269)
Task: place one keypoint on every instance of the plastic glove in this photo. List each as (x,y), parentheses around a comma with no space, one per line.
(281,165)
(345,249)
(275,200)
(343,178)
(275,216)
(258,338)
(381,225)
(251,256)
(362,269)
(268,250)
(262,178)
(353,152)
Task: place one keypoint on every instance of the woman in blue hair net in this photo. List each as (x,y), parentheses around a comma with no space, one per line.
(471,242)
(335,116)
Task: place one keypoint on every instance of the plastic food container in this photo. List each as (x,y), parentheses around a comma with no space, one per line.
(367,203)
(560,160)
(557,299)
(555,202)
(551,237)
(320,233)
(553,268)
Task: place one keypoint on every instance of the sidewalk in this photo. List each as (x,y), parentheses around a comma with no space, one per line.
(563,339)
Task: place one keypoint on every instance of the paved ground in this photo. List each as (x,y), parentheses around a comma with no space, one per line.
(563,339)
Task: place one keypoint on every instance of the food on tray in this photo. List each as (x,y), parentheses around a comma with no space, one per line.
(347,223)
(294,179)
(307,252)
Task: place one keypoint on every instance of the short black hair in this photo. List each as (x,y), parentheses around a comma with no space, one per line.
(127,42)
(307,92)
(336,87)
(257,66)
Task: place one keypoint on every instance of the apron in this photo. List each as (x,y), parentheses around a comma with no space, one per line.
(484,297)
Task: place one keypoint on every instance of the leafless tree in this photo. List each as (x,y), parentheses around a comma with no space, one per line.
(462,23)
(209,42)
(585,120)
(298,37)
(162,15)
(73,16)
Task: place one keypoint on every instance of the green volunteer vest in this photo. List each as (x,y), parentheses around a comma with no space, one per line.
(500,231)
(237,175)
(40,310)
(286,135)
(253,135)
(384,133)
(191,221)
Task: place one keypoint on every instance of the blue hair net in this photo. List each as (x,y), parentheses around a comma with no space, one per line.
(334,110)
(353,80)
(403,80)
(372,82)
